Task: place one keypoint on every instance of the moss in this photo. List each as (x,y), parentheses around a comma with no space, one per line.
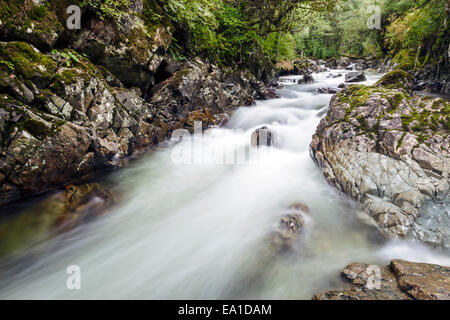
(153,16)
(397,79)
(395,100)
(400,142)
(36,128)
(41,19)
(56,127)
(437,104)
(26,61)
(9,9)
(37,13)
(68,76)
(405,60)
(425,120)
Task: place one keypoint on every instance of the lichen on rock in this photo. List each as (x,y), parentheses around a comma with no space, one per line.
(390,151)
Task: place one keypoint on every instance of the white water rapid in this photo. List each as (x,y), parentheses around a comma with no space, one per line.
(196,231)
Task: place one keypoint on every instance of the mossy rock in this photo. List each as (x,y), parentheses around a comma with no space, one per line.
(397,79)
(405,60)
(36,24)
(27,63)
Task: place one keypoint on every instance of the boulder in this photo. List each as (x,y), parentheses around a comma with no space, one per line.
(343,63)
(264,137)
(298,67)
(397,79)
(331,63)
(306,79)
(390,151)
(128,49)
(356,76)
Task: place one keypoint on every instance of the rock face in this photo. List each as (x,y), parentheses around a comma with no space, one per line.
(356,76)
(390,151)
(62,116)
(401,280)
(112,92)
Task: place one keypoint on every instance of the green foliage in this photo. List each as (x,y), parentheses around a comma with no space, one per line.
(111,9)
(344,31)
(234,30)
(418,35)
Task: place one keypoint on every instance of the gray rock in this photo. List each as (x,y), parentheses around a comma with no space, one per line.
(356,76)
(306,79)
(366,148)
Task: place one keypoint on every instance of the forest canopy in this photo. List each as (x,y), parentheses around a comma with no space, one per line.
(412,32)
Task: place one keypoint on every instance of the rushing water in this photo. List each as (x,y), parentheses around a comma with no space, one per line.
(191,231)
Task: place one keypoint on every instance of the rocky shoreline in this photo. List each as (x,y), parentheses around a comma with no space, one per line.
(72,103)
(400,280)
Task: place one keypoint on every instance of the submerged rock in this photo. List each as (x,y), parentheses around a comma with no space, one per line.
(401,280)
(290,228)
(52,215)
(390,151)
(288,232)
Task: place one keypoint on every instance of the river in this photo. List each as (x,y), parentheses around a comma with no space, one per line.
(199,231)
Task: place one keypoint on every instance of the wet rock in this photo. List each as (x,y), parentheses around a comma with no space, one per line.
(288,232)
(300,207)
(356,76)
(290,228)
(82,203)
(401,280)
(343,63)
(53,214)
(327,90)
(306,79)
(264,137)
(389,150)
(331,63)
(422,281)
